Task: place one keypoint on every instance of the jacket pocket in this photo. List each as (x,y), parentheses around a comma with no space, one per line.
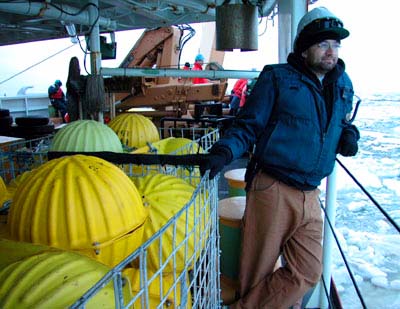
(262,182)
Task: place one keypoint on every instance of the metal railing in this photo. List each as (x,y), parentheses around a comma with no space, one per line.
(323,295)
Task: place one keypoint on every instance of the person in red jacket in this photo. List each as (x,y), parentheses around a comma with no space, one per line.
(198,66)
(246,91)
(236,95)
(186,67)
(57,98)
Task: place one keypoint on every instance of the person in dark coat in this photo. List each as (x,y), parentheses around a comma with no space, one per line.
(75,89)
(297,116)
(57,98)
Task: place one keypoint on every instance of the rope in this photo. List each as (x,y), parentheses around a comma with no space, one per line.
(32,66)
(370,197)
(94,98)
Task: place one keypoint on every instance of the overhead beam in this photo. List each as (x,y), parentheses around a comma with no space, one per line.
(198,6)
(44,9)
(148,72)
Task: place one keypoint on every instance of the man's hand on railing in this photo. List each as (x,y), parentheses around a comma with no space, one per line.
(215,161)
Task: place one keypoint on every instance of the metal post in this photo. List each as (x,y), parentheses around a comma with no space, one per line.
(95,53)
(290,13)
(149,72)
(330,210)
(26,106)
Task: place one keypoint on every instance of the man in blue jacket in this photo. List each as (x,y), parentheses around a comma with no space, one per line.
(297,116)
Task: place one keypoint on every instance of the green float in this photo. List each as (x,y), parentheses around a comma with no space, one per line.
(236,183)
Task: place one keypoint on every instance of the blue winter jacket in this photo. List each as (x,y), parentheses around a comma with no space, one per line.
(294,122)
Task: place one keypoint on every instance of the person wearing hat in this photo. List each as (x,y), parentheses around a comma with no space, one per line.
(198,66)
(57,98)
(297,117)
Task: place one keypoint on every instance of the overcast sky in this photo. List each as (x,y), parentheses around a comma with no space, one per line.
(371,52)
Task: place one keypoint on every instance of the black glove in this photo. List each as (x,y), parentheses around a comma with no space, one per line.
(215,161)
(348,146)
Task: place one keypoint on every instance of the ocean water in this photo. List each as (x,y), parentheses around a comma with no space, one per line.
(370,243)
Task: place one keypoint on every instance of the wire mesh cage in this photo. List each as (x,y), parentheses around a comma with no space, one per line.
(185,273)
(23,155)
(178,265)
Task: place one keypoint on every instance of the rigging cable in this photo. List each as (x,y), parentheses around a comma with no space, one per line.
(183,39)
(30,67)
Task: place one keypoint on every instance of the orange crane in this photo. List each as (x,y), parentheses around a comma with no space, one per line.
(168,96)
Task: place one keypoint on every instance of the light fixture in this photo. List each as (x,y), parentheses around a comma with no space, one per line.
(70,28)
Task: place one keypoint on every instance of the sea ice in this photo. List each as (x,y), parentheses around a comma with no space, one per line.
(380,281)
(382,226)
(395,285)
(366,270)
(392,184)
(356,206)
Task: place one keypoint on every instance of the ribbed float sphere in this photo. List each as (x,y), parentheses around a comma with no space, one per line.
(173,146)
(164,286)
(18,250)
(164,196)
(4,195)
(79,203)
(134,130)
(86,135)
(54,279)
(182,146)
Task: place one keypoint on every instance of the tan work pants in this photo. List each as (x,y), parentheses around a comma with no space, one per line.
(279,219)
